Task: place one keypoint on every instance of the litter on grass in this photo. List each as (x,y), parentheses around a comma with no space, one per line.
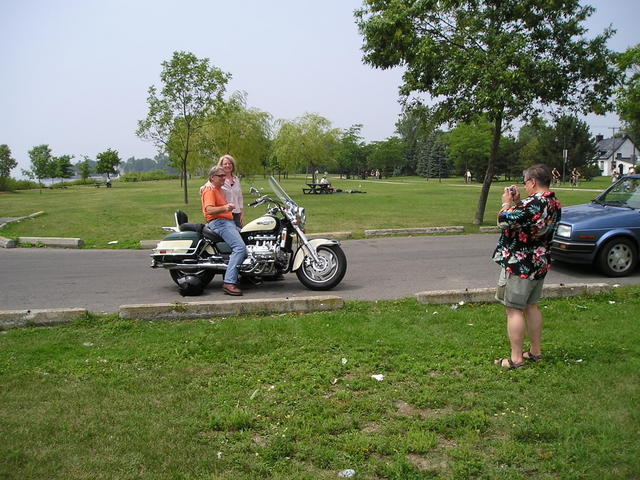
(378,377)
(113,242)
(348,473)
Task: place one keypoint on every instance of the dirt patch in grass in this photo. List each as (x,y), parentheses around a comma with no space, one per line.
(406,410)
(431,462)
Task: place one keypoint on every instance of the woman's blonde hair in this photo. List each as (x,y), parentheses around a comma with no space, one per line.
(231,159)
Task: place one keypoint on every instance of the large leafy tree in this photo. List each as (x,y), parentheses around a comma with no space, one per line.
(7,162)
(192,89)
(41,163)
(468,146)
(62,167)
(504,59)
(239,131)
(628,93)
(387,155)
(309,141)
(351,157)
(108,162)
(544,143)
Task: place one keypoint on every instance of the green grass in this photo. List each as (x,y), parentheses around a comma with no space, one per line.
(271,396)
(130,212)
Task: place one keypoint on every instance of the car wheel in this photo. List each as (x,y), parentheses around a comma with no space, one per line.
(618,257)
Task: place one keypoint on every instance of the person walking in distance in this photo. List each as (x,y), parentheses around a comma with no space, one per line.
(523,253)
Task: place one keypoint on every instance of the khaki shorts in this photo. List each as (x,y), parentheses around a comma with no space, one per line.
(516,292)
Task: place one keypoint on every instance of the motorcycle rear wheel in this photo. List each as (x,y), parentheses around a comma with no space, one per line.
(204,275)
(326,275)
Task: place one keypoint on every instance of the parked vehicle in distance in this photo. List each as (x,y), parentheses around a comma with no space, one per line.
(604,232)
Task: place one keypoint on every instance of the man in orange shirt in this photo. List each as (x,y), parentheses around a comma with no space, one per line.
(219,218)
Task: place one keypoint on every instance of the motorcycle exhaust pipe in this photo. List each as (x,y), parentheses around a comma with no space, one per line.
(191,266)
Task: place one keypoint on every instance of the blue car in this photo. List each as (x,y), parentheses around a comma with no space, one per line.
(605,232)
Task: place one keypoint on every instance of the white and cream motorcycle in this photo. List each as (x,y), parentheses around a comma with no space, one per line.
(276,244)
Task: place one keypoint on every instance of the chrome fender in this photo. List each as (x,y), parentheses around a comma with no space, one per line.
(302,251)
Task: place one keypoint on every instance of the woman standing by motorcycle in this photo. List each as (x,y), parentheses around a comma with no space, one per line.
(230,188)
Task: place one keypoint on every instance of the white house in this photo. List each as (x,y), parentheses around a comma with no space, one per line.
(613,152)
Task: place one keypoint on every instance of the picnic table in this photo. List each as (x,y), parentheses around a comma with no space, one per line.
(318,188)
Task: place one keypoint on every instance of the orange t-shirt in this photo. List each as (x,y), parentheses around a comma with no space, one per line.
(214,198)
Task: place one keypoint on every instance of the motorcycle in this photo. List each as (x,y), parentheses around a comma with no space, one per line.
(276,244)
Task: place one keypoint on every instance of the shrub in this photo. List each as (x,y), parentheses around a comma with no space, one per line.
(148,176)
(8,184)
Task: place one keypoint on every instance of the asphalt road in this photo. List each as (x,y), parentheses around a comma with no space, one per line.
(381,268)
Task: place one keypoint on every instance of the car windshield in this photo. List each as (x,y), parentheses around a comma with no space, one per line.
(624,193)
(279,191)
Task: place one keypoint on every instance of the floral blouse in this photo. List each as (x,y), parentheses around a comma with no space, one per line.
(527,230)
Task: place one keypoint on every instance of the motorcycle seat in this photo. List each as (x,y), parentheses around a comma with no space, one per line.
(211,235)
(191,227)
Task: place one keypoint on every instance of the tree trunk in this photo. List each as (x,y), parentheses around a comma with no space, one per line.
(184,174)
(488,176)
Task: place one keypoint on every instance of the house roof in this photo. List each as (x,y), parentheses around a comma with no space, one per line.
(608,146)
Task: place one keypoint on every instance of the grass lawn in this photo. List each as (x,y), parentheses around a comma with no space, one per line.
(130,212)
(292,397)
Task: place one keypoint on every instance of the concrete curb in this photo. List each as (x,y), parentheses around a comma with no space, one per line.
(475,295)
(181,311)
(53,241)
(425,230)
(7,243)
(39,318)
(191,310)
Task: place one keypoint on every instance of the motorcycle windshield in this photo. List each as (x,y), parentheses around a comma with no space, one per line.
(279,191)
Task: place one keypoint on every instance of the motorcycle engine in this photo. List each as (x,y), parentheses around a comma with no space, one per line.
(264,257)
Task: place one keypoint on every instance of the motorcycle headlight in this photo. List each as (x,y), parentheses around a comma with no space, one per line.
(564,231)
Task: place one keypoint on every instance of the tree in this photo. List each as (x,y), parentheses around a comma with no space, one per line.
(239,131)
(7,162)
(62,166)
(504,60)
(545,144)
(308,141)
(192,90)
(84,168)
(108,162)
(414,125)
(628,92)
(439,167)
(41,161)
(387,154)
(351,157)
(468,146)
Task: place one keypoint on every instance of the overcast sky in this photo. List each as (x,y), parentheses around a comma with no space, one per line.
(75,73)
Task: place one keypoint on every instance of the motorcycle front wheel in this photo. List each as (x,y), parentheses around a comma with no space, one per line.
(327,273)
(204,275)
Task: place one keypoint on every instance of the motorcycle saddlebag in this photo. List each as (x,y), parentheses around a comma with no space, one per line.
(178,246)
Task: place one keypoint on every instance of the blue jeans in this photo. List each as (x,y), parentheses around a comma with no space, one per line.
(229,232)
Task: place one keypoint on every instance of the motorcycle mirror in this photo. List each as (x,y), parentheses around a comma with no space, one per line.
(254,191)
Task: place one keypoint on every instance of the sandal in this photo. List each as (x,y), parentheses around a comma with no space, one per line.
(531,357)
(511,365)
